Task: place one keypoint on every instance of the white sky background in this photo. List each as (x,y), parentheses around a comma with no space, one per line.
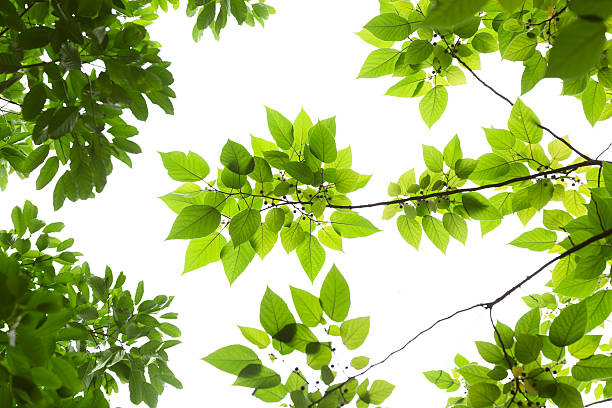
(308,56)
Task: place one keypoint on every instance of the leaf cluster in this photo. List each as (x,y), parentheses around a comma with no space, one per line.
(68,336)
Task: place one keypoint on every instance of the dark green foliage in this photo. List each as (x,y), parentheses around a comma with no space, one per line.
(67,335)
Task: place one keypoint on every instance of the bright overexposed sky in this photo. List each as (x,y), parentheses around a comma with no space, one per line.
(308,56)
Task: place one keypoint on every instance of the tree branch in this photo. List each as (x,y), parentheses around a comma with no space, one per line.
(454,55)
(598,402)
(491,304)
(9,101)
(471,189)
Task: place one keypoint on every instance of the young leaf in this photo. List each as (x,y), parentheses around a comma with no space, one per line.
(203,251)
(482,395)
(569,326)
(307,306)
(593,101)
(351,225)
(185,167)
(274,315)
(410,230)
(523,123)
(281,128)
(311,255)
(389,27)
(354,332)
(433,159)
(335,295)
(255,336)
(539,239)
(235,259)
(433,104)
(232,359)
(195,221)
(322,143)
(243,225)
(436,232)
(236,158)
(379,63)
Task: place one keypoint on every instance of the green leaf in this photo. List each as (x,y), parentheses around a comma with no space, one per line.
(500,139)
(236,158)
(255,336)
(236,259)
(456,226)
(257,376)
(354,332)
(483,395)
(300,171)
(585,348)
(447,13)
(433,104)
(335,295)
(195,221)
(596,367)
(527,348)
(409,86)
(479,208)
(379,63)
(528,323)
(307,306)
(433,159)
(274,314)
(380,391)
(567,396)
(484,42)
(232,359)
(410,230)
(523,123)
(556,219)
(311,255)
(33,102)
(262,171)
(185,167)
(371,39)
(577,49)
(292,236)
(281,128)
(169,329)
(301,126)
(593,101)
(322,143)
(599,307)
(574,203)
(330,238)
(520,48)
(439,378)
(389,27)
(351,225)
(452,152)
(465,167)
(47,172)
(538,239)
(417,52)
(203,251)
(535,69)
(263,240)
(360,362)
(243,225)
(569,326)
(490,352)
(435,231)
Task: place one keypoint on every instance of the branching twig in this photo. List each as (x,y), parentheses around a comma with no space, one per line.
(599,402)
(485,305)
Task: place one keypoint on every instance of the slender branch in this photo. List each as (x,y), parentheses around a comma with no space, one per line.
(477,77)
(9,101)
(599,402)
(508,100)
(565,142)
(472,189)
(489,305)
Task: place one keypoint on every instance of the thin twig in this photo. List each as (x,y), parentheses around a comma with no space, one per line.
(584,156)
(599,402)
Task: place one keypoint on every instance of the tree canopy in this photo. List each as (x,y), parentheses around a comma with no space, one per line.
(71,69)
